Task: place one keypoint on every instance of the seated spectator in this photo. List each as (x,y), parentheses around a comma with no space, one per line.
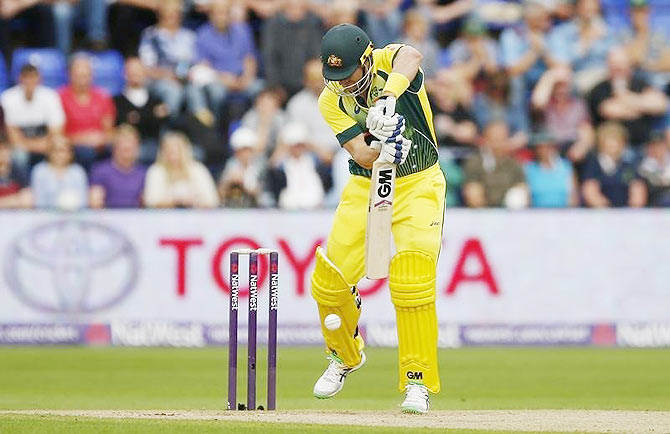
(647,46)
(654,170)
(89,114)
(303,187)
(551,180)
(32,112)
(493,103)
(524,55)
(226,62)
(289,39)
(564,114)
(627,99)
(266,118)
(304,107)
(610,176)
(14,191)
(58,182)
(383,20)
(177,180)
(417,34)
(94,14)
(136,106)
(168,50)
(582,44)
(240,181)
(454,122)
(492,177)
(474,52)
(118,182)
(36,15)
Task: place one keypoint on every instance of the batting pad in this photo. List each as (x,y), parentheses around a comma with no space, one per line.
(334,296)
(412,284)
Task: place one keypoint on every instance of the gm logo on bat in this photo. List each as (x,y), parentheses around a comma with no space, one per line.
(384,183)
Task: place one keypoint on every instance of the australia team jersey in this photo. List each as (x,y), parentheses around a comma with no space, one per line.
(346,115)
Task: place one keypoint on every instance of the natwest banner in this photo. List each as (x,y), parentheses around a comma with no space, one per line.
(499,271)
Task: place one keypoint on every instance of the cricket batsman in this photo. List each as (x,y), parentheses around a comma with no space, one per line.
(358,80)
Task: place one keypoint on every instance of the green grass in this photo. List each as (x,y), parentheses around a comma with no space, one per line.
(166,378)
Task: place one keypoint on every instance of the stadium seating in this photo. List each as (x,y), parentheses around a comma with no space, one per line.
(108,70)
(4,82)
(50,61)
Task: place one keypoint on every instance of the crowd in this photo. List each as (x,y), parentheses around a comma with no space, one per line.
(538,103)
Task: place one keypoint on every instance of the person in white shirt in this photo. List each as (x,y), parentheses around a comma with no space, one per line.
(177,180)
(32,112)
(240,182)
(293,156)
(304,107)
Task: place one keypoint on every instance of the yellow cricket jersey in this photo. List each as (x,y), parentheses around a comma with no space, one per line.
(346,115)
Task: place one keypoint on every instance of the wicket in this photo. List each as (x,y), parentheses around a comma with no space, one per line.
(252,324)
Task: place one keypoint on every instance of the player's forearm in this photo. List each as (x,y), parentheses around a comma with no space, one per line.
(362,154)
(406,64)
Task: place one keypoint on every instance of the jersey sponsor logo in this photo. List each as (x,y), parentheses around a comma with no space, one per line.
(384,180)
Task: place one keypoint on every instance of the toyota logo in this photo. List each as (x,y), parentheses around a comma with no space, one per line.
(71,267)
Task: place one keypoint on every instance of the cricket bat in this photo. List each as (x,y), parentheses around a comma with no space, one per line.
(380,213)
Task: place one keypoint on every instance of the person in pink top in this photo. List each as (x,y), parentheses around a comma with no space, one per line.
(89,114)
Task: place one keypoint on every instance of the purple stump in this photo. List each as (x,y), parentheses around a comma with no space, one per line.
(251,346)
(272,331)
(232,330)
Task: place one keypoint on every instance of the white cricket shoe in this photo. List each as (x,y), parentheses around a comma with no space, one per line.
(416,399)
(333,378)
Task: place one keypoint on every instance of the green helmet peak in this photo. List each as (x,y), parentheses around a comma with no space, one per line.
(343,48)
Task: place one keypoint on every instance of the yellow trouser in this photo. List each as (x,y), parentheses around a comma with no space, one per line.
(418,212)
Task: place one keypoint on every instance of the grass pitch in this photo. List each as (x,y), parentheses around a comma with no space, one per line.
(166,378)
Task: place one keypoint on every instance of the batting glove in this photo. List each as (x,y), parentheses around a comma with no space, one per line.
(381,126)
(394,150)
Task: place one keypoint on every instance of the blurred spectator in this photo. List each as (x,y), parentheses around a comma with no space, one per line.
(14,191)
(118,182)
(37,17)
(32,112)
(94,12)
(302,187)
(225,52)
(334,12)
(610,177)
(289,40)
(454,123)
(168,50)
(446,11)
(139,13)
(564,114)
(240,181)
(525,57)
(550,178)
(89,114)
(136,106)
(655,170)
(417,34)
(627,99)
(647,46)
(58,182)
(492,177)
(304,107)
(583,44)
(493,104)
(383,20)
(177,180)
(475,52)
(266,118)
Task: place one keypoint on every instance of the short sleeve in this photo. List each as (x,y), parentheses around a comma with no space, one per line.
(384,57)
(344,127)
(511,48)
(55,113)
(591,169)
